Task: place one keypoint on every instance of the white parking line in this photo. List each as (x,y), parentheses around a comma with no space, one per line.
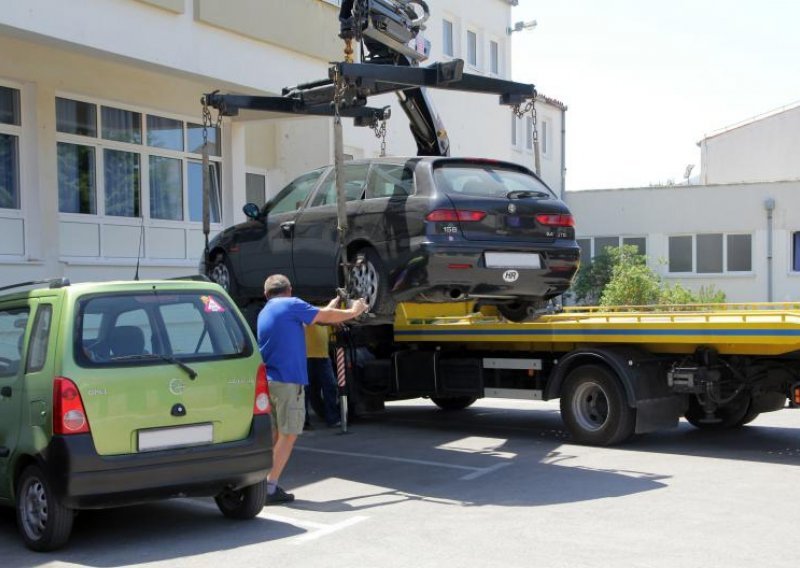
(325,530)
(475,472)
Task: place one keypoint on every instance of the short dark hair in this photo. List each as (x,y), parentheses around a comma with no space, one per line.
(276,285)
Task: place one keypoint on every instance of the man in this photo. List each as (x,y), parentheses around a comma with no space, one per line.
(321,379)
(281,341)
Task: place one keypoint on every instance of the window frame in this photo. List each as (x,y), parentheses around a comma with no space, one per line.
(452,42)
(620,241)
(794,252)
(17,131)
(726,272)
(470,31)
(495,68)
(145,152)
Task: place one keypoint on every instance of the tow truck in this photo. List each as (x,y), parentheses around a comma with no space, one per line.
(616,371)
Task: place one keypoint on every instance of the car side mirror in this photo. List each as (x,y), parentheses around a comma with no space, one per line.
(252,211)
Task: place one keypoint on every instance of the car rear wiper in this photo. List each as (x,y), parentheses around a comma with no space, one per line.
(519,193)
(148,356)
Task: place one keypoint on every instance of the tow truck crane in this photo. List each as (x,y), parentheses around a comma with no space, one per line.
(616,371)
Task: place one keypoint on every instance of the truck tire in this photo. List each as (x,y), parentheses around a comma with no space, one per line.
(733,415)
(594,407)
(454,403)
(43,522)
(244,503)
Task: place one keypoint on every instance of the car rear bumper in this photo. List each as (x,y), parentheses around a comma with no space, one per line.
(441,271)
(85,480)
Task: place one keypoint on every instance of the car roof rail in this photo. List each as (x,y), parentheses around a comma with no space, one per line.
(51,283)
(192,277)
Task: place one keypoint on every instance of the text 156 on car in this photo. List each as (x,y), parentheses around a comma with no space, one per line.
(421,229)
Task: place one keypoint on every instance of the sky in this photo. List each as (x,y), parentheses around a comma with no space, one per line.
(645,80)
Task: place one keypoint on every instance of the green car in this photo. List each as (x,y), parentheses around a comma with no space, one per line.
(126,392)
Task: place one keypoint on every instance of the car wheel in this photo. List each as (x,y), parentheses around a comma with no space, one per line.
(522,310)
(243,503)
(732,415)
(454,403)
(368,280)
(594,407)
(221,273)
(43,522)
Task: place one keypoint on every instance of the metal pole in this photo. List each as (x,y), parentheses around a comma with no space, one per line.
(341,379)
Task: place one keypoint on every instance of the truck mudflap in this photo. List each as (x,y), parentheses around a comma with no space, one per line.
(659,413)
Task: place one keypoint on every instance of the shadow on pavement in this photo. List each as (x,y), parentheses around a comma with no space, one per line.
(163,531)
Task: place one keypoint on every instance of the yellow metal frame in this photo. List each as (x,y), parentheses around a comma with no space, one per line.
(733,329)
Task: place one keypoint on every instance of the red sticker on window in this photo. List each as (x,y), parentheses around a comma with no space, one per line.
(211,305)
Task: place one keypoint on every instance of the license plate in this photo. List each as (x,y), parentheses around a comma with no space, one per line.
(177,437)
(512,260)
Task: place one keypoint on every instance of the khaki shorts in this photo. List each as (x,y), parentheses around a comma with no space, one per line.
(288,401)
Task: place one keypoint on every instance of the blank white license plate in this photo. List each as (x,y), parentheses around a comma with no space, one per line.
(512,260)
(178,437)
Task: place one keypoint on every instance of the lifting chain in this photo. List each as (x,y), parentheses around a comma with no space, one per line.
(339,89)
(519,112)
(380,132)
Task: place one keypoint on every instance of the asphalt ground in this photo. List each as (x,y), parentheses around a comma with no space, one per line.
(498,484)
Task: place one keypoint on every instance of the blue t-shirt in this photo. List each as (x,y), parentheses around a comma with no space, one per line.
(281,339)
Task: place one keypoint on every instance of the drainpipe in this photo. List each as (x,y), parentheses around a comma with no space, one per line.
(563,153)
(769,205)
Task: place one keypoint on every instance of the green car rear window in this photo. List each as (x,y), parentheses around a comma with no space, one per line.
(122,329)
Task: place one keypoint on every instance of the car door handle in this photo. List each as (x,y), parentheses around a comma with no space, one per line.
(287,228)
(5,392)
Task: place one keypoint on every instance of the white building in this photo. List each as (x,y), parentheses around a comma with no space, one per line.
(100,121)
(739,231)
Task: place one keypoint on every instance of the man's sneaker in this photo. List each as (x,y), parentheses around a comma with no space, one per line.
(280,496)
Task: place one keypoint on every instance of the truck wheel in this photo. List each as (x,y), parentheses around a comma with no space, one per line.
(43,522)
(732,415)
(244,503)
(594,407)
(454,403)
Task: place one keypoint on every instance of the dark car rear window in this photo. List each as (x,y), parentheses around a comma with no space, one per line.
(189,326)
(487,180)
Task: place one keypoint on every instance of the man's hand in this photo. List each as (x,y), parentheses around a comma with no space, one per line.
(334,303)
(359,307)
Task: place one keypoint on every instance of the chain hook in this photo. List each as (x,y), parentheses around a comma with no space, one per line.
(380,132)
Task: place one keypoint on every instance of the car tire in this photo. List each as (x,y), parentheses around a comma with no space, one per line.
(369,280)
(243,504)
(221,273)
(44,523)
(733,415)
(594,407)
(522,310)
(454,403)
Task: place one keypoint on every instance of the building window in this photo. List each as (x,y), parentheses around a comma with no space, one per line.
(796,252)
(639,242)
(10,122)
(256,189)
(543,138)
(529,133)
(739,254)
(713,253)
(494,57)
(111,159)
(447,38)
(513,130)
(586,249)
(680,254)
(472,48)
(603,243)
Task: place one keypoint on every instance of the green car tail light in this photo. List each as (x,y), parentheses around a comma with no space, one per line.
(261,405)
(69,416)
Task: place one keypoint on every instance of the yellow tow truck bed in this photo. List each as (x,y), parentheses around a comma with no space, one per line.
(730,329)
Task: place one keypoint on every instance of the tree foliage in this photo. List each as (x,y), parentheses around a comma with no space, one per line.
(619,276)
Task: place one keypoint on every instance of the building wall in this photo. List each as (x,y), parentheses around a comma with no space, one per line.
(157,57)
(763,149)
(736,209)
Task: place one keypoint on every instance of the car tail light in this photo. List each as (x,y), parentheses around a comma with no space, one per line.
(69,416)
(556,220)
(455,215)
(261,404)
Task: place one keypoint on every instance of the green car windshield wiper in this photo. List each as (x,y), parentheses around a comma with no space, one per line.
(149,356)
